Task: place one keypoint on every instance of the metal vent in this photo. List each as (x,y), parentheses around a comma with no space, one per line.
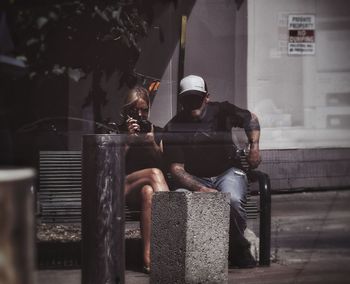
(250,205)
(60,186)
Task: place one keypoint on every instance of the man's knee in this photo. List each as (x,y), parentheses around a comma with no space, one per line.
(237,199)
(237,194)
(236,203)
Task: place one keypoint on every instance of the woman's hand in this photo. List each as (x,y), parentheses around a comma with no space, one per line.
(149,137)
(133,126)
(140,137)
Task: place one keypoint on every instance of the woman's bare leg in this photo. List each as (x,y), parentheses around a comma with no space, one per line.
(144,183)
(146,195)
(152,176)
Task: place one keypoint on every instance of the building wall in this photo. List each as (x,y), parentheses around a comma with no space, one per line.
(294,169)
(303,101)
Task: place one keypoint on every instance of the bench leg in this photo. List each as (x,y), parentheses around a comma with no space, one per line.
(265,218)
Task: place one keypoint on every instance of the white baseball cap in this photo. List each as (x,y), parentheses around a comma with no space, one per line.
(192,83)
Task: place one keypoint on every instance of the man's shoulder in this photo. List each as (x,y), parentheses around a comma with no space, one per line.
(169,123)
(223,103)
(179,128)
(228,107)
(178,118)
(218,108)
(220,105)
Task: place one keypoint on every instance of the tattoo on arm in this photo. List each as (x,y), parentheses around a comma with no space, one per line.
(253,131)
(254,123)
(184,178)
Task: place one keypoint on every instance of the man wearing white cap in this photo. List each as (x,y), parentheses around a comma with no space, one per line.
(201,156)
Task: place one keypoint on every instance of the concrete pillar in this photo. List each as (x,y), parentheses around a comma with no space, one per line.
(190,234)
(103,221)
(17,226)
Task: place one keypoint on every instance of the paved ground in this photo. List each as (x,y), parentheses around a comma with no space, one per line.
(310,244)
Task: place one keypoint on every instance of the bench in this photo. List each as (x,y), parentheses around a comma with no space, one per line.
(262,211)
(59,195)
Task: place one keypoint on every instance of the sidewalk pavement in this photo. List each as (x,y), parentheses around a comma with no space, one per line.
(310,244)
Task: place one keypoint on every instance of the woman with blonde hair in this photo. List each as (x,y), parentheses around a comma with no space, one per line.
(143,161)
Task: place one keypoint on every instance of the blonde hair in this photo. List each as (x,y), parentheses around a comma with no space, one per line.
(133,96)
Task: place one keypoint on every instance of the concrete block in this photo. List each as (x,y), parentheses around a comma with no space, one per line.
(189,239)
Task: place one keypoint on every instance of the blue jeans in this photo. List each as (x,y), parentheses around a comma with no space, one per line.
(233,181)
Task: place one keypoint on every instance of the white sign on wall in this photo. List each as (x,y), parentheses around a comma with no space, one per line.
(301,29)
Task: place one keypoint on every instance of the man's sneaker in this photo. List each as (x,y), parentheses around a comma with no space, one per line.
(242,258)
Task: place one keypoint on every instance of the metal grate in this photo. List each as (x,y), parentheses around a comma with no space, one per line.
(251,208)
(251,205)
(60,186)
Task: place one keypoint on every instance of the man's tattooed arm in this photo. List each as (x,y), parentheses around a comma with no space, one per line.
(253,130)
(186,180)
(253,134)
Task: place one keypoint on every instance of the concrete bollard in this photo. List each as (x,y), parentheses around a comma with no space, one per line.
(103,221)
(17,226)
(189,239)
